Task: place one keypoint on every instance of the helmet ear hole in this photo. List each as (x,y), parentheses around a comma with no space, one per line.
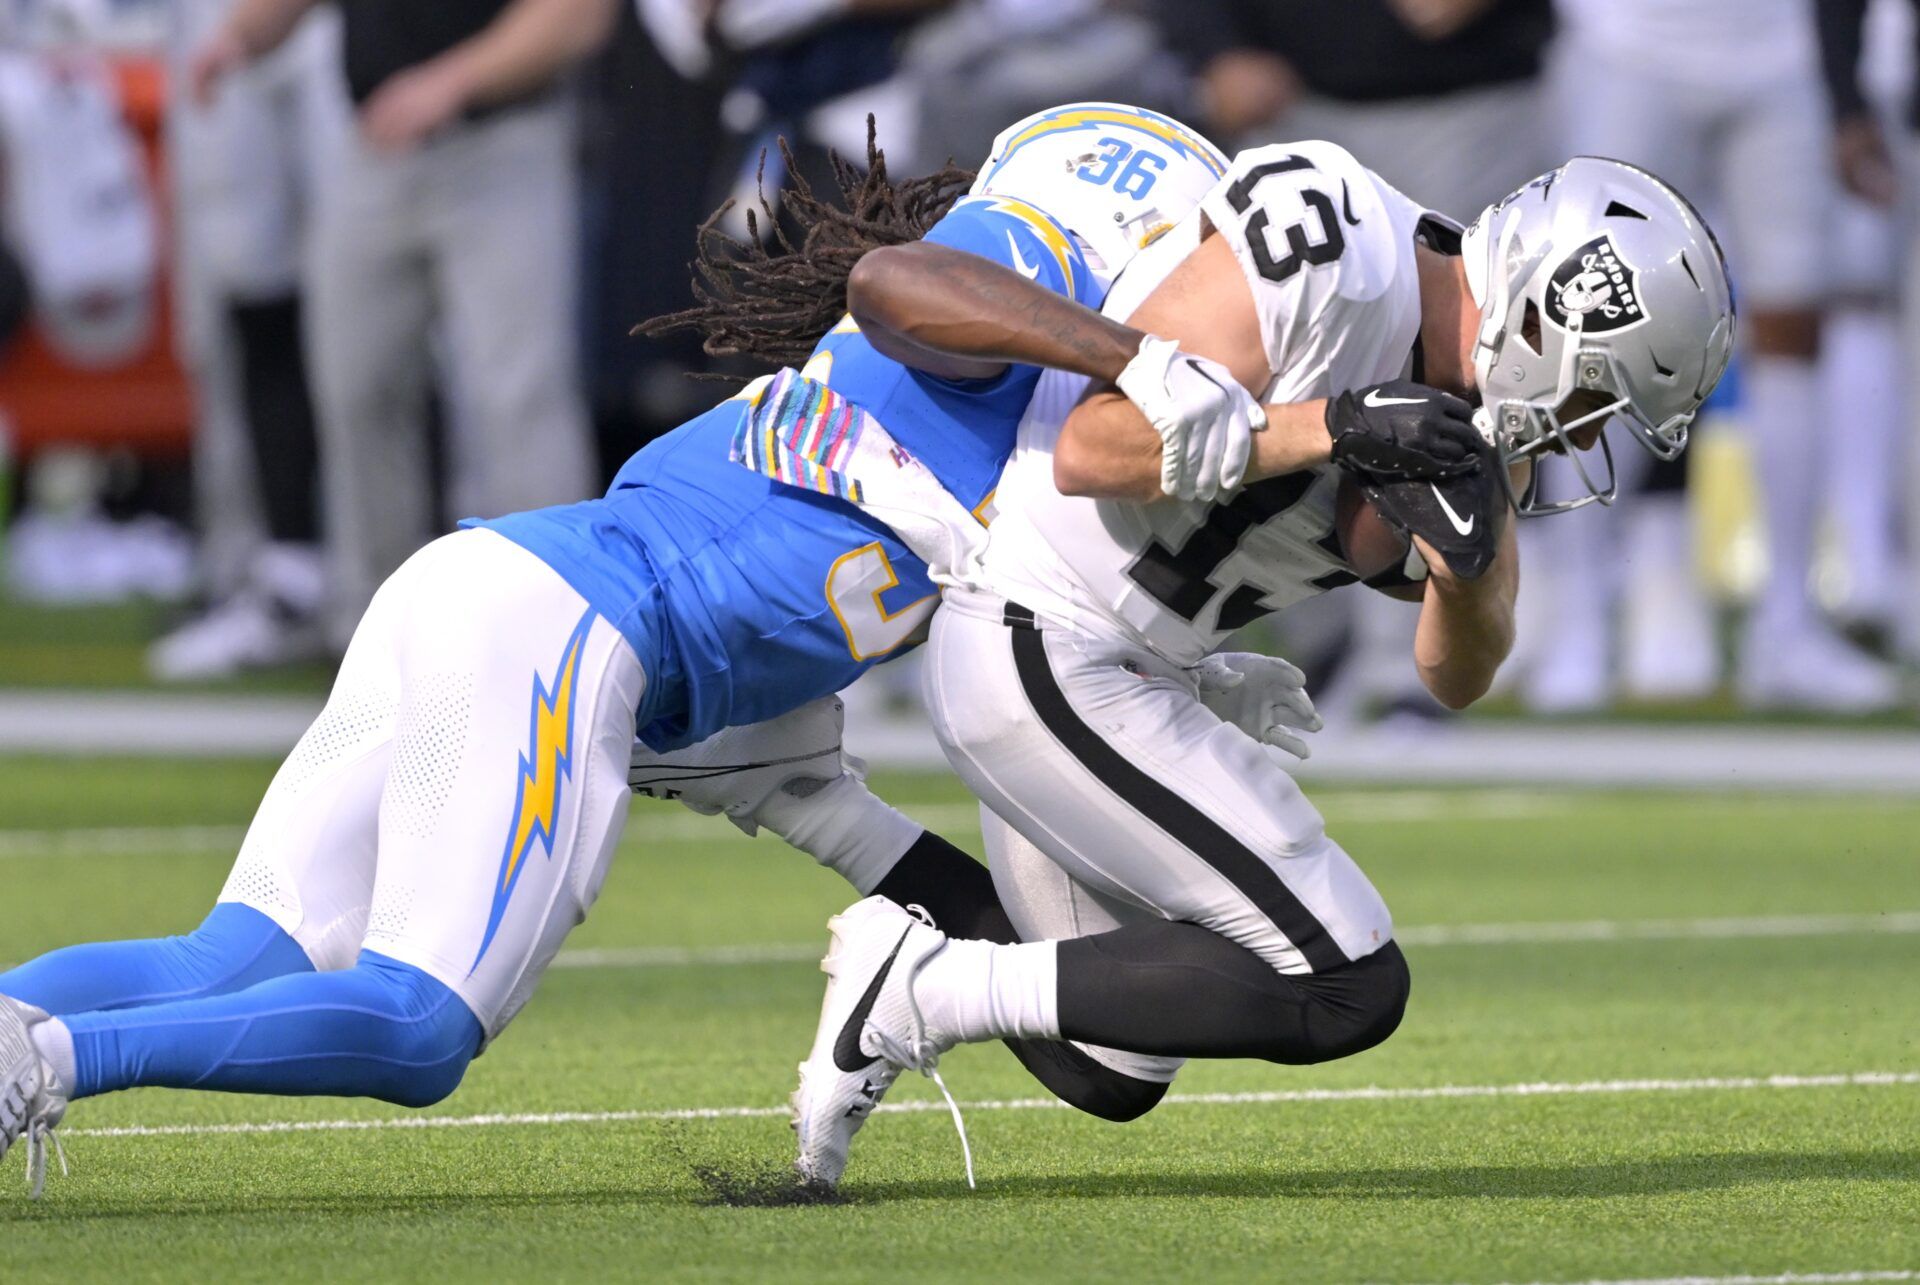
(1530,327)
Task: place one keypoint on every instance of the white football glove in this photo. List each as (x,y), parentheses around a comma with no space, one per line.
(1205,419)
(1263,696)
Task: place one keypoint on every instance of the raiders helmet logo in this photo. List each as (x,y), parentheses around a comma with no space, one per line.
(1598,286)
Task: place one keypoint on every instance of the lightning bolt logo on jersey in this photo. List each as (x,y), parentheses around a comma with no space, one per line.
(544,772)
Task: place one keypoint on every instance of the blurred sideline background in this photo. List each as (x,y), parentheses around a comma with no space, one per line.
(257,345)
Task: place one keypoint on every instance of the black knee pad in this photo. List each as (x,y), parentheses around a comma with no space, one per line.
(1385,1003)
(1350,1010)
(1085,1084)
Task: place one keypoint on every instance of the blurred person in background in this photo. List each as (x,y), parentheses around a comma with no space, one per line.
(1443,99)
(1721,98)
(982,63)
(453,207)
(245,169)
(1869,60)
(808,72)
(644,189)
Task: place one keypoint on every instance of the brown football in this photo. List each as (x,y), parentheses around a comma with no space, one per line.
(1369,542)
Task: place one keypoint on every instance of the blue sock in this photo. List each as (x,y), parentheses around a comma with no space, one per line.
(381,1029)
(235,948)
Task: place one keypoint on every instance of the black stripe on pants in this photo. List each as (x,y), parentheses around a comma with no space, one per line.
(1184,823)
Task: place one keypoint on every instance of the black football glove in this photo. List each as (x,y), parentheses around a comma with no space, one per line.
(1460,516)
(1401,430)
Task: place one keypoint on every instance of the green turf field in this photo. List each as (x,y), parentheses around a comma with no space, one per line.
(1543,934)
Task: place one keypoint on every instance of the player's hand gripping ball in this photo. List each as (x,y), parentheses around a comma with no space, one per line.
(1402,430)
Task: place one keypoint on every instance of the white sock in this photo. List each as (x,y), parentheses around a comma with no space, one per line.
(55,1043)
(1668,649)
(1788,430)
(845,827)
(977,990)
(1569,563)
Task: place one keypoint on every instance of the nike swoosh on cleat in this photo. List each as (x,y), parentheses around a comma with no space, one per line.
(846,1046)
(1463,527)
(1375,400)
(1020,263)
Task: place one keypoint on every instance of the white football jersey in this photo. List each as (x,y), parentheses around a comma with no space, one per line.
(1328,248)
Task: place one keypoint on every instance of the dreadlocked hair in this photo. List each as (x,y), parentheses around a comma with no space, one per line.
(771,300)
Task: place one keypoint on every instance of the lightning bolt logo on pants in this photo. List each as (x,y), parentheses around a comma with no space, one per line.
(544,769)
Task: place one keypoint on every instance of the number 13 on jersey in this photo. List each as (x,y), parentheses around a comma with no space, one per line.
(856,584)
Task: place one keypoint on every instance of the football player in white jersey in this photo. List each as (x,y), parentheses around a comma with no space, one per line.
(1178,895)
(789,774)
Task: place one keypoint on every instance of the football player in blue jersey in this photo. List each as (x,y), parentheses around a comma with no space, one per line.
(424,850)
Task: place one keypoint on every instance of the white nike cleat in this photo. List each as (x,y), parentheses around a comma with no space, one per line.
(32,1099)
(871,1029)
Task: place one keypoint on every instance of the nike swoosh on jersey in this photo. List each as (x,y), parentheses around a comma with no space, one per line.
(1020,263)
(1346,204)
(1463,527)
(846,1046)
(1374,399)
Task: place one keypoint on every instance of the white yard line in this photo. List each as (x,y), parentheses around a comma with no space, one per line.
(661,823)
(1525,934)
(1575,1088)
(1894,922)
(658,822)
(120,841)
(1785,1278)
(1728,928)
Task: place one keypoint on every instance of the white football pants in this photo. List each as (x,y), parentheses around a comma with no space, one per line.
(1102,755)
(457,802)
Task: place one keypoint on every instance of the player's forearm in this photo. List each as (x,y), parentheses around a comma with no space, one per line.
(1466,626)
(527,45)
(259,26)
(1108,451)
(1295,438)
(921,302)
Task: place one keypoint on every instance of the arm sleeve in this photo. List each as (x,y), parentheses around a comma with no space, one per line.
(1841,23)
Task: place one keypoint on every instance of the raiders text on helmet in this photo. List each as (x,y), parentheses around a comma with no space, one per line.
(1595,278)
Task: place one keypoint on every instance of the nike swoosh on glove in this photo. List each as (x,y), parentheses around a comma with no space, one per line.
(1263,696)
(1461,517)
(1205,419)
(1401,430)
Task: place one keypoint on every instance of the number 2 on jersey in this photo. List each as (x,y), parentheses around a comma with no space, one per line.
(854,586)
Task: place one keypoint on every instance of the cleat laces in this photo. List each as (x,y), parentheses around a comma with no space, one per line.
(917,1053)
(38,1136)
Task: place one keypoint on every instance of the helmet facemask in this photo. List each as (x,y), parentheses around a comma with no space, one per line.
(1527,431)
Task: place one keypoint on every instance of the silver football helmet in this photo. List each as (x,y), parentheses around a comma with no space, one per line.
(1602,294)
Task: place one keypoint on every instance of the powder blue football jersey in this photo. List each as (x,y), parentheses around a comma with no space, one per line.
(745,597)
